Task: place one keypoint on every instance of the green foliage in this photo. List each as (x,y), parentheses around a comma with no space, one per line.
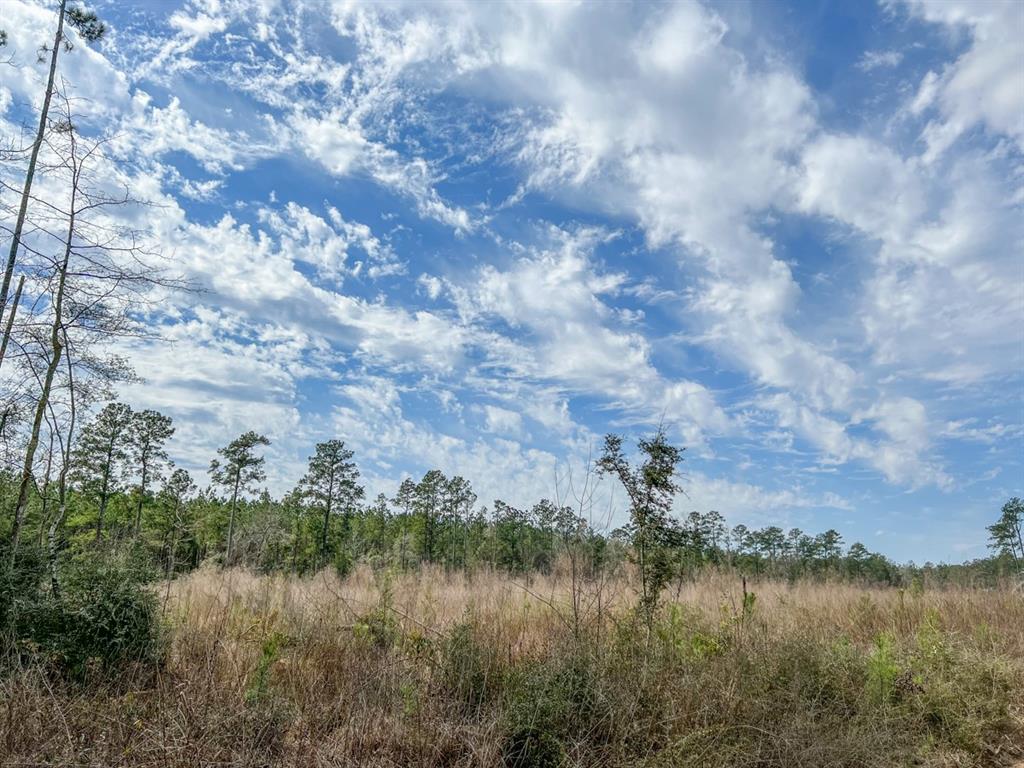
(470,667)
(104,614)
(882,669)
(331,487)
(99,458)
(749,600)
(89,27)
(379,626)
(651,488)
(547,703)
(259,682)
(1006,535)
(21,583)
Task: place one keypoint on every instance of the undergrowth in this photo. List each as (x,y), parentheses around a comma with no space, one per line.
(444,671)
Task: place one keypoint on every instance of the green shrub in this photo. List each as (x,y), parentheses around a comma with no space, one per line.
(259,684)
(379,626)
(531,747)
(882,669)
(21,587)
(104,614)
(551,702)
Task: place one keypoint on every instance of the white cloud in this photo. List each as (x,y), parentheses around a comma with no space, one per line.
(502,421)
(750,503)
(871,60)
(983,86)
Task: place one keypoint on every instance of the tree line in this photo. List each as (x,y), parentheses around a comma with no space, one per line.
(123,489)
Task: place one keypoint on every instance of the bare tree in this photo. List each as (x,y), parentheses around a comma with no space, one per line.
(91,30)
(88,273)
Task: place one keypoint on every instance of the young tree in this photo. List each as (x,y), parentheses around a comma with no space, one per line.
(100,455)
(174,498)
(1006,535)
(147,433)
(237,469)
(651,487)
(427,504)
(331,482)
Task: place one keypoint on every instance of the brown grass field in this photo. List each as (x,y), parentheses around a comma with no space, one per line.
(434,669)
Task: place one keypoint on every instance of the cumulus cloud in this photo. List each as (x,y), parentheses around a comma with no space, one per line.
(983,85)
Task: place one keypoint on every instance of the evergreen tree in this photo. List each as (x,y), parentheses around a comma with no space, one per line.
(1006,535)
(237,470)
(427,505)
(99,458)
(331,484)
(147,433)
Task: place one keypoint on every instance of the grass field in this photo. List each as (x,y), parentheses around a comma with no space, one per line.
(429,669)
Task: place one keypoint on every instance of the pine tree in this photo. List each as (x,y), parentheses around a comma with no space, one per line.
(147,433)
(100,456)
(331,482)
(240,468)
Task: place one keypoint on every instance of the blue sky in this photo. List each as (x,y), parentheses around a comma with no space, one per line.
(478,236)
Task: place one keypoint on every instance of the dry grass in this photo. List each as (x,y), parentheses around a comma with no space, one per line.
(446,670)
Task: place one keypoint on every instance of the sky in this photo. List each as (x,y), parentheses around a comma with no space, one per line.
(478,236)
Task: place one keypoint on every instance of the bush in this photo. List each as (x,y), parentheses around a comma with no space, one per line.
(20,589)
(105,614)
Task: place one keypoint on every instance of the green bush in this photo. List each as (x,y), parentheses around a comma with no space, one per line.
(20,588)
(104,614)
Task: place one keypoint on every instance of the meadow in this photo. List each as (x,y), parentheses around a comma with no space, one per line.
(436,668)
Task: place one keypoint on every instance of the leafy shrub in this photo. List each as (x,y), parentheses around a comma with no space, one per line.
(104,614)
(551,702)
(20,589)
(531,747)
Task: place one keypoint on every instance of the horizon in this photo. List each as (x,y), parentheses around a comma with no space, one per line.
(479,237)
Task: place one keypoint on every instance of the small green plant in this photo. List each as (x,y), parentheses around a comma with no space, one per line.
(882,669)
(269,653)
(379,626)
(410,695)
(470,667)
(530,747)
(749,600)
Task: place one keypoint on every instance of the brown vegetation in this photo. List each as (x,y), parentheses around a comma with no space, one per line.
(435,669)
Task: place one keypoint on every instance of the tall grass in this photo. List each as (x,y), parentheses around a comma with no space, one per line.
(435,669)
